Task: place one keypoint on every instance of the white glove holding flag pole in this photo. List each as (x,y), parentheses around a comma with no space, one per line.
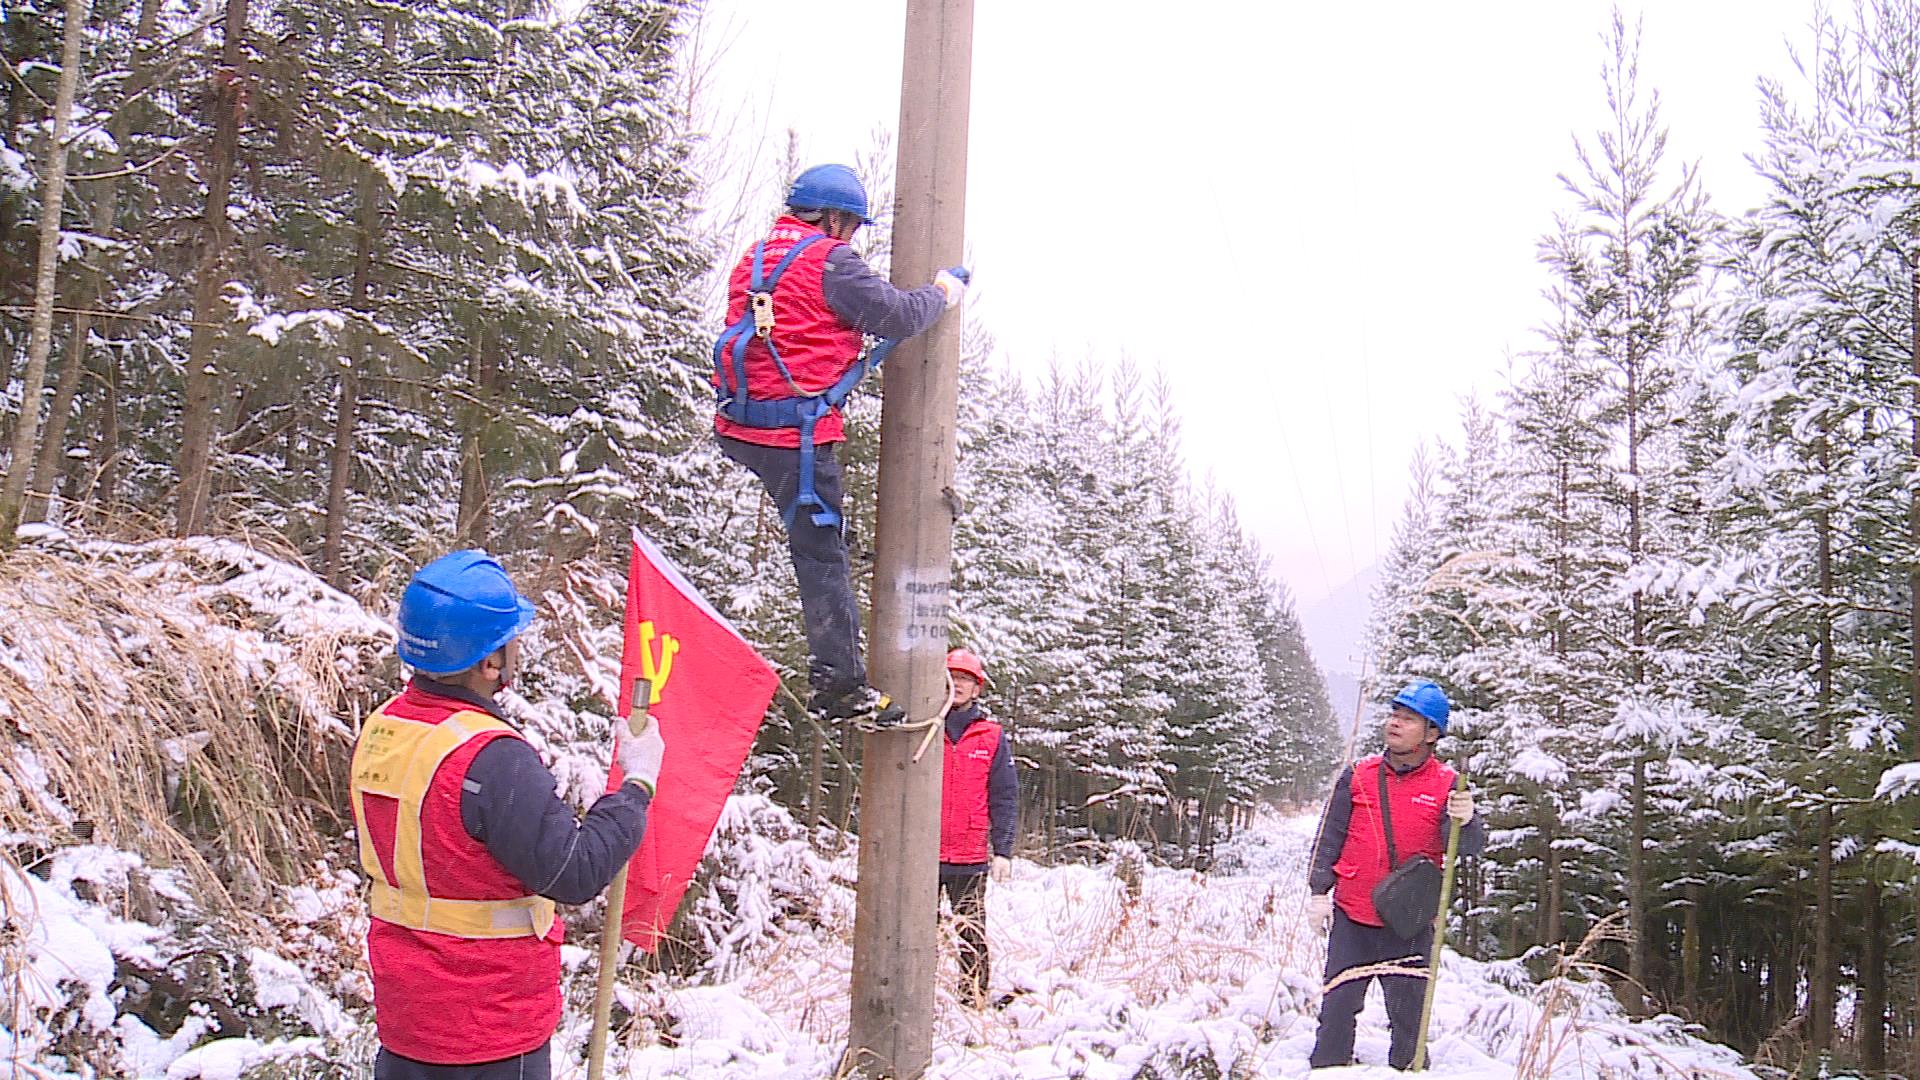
(1460,806)
(1320,912)
(639,756)
(1002,868)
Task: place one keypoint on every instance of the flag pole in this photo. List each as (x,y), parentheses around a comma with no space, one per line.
(1439,934)
(616,906)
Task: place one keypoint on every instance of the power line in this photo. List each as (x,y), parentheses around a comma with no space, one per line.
(1266,376)
(1340,479)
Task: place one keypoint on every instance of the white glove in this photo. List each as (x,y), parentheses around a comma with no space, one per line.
(1002,868)
(1460,806)
(639,755)
(1320,912)
(950,284)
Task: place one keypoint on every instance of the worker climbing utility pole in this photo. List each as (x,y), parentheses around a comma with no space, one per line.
(894,954)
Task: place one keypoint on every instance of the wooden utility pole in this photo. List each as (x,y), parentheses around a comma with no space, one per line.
(894,937)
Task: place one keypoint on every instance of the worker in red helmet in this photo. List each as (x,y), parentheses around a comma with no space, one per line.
(979,809)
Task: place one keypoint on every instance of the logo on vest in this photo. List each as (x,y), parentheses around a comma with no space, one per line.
(656,671)
(1424,799)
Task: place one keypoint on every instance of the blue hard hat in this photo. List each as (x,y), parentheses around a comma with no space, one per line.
(829,187)
(1424,697)
(457,611)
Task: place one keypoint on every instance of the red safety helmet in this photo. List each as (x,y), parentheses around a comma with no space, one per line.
(964,661)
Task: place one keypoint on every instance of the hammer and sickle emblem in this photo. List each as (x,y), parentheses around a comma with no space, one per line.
(656,671)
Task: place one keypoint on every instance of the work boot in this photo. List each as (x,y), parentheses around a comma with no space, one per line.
(869,709)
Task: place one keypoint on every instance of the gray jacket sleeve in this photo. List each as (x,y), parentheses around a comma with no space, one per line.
(870,304)
(1473,835)
(1332,834)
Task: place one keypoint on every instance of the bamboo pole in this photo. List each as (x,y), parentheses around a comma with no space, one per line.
(1439,933)
(616,906)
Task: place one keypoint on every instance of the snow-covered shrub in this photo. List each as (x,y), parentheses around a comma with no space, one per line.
(762,882)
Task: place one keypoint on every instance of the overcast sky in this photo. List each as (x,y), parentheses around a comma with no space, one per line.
(1320,223)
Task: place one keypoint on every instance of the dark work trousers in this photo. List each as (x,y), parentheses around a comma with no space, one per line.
(819,558)
(968,894)
(532,1065)
(1351,945)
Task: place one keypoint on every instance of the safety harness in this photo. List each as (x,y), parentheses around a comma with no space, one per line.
(801,411)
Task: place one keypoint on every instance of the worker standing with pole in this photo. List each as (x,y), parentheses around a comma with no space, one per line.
(466,845)
(1373,905)
(894,945)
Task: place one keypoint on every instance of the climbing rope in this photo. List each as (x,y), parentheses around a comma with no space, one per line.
(932,723)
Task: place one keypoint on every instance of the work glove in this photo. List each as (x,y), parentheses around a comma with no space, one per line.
(953,281)
(1460,806)
(1320,912)
(1002,868)
(639,755)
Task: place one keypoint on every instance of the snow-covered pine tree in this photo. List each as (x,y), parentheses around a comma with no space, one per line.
(1551,473)
(1014,589)
(1822,432)
(1635,266)
(1212,662)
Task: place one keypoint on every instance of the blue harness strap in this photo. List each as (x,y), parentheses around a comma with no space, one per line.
(802,411)
(743,330)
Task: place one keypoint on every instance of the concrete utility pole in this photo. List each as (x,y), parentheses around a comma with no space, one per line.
(891,1027)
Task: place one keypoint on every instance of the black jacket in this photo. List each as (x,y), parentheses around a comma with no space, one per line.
(1333,831)
(508,803)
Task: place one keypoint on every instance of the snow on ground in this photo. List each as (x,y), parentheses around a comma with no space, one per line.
(1198,975)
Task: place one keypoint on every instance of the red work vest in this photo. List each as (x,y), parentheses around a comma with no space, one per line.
(1419,802)
(814,344)
(440,997)
(965,819)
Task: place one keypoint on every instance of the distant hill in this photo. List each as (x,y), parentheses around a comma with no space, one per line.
(1335,625)
(1341,687)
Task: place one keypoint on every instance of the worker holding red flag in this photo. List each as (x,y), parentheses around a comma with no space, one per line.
(979,813)
(467,845)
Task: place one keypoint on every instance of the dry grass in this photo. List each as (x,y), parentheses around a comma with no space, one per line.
(141,698)
(1559,1031)
(1785,1049)
(1557,1028)
(14,927)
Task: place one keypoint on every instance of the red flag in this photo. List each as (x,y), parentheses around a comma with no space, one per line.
(710,692)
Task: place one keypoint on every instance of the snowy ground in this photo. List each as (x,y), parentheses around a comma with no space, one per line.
(1198,976)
